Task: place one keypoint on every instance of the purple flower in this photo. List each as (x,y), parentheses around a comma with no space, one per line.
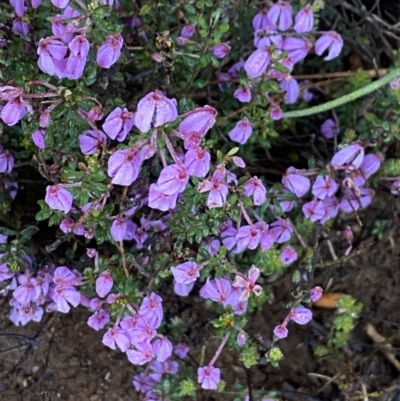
(208,377)
(162,348)
(186,273)
(221,50)
(91,141)
(295,183)
(117,337)
(266,36)
(261,20)
(242,131)
(199,120)
(6,162)
(104,284)
(324,186)
(282,11)
(243,94)
(58,198)
(281,230)
(316,293)
(248,284)
(109,51)
(395,188)
(19,26)
(152,306)
(301,315)
(288,255)
(370,165)
(257,62)
(329,128)
(217,290)
(64,276)
(218,190)
(276,113)
(297,48)
(79,46)
(330,41)
(26,292)
(183,290)
(118,229)
(352,154)
(351,202)
(13,111)
(155,108)
(118,123)
(281,331)
(19,7)
(51,57)
(331,206)
(60,3)
(247,237)
(188,30)
(304,20)
(99,319)
(255,187)
(181,350)
(65,295)
(59,29)
(197,162)
(74,67)
(291,87)
(173,179)
(124,166)
(314,210)
(142,353)
(38,138)
(159,200)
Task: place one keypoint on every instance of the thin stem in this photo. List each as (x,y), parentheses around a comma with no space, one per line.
(246,216)
(220,348)
(373,86)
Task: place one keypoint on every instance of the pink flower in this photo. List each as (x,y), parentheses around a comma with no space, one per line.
(301,315)
(330,41)
(304,20)
(104,284)
(296,183)
(58,198)
(79,46)
(276,113)
(186,273)
(242,131)
(248,284)
(257,62)
(282,11)
(110,50)
(208,377)
(65,295)
(221,50)
(64,276)
(152,308)
(155,109)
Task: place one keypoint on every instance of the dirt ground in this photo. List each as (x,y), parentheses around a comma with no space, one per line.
(63,359)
